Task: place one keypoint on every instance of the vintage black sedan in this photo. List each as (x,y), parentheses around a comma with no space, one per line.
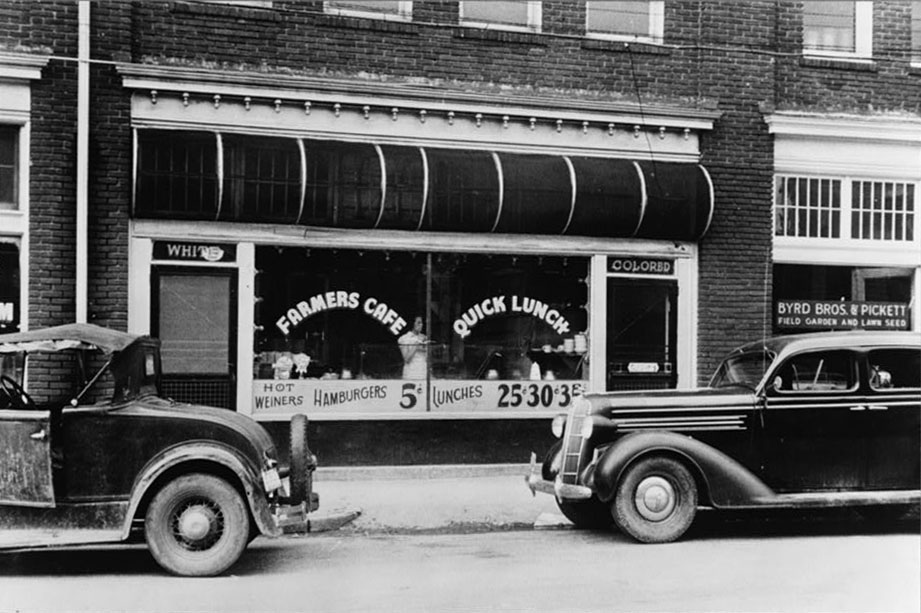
(812,420)
(109,458)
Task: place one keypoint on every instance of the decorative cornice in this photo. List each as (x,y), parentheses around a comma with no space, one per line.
(305,91)
(22,66)
(844,127)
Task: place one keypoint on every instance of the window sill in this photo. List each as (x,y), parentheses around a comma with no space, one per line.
(838,63)
(501,36)
(351,22)
(915,70)
(623,46)
(228,9)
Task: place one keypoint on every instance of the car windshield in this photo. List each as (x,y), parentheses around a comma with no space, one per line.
(746,370)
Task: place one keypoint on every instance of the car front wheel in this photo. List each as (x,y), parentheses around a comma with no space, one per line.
(197,525)
(656,500)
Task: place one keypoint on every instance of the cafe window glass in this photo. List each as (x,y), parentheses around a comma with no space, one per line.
(630,20)
(510,14)
(458,331)
(9,167)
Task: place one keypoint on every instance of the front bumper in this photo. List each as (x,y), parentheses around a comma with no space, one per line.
(297,519)
(562,491)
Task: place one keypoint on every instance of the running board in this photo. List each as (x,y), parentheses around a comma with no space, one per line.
(838,499)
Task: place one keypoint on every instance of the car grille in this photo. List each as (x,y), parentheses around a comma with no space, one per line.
(573,446)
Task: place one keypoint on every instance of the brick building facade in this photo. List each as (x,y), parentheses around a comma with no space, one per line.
(420,158)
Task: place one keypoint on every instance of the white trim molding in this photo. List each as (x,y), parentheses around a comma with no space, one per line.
(409,114)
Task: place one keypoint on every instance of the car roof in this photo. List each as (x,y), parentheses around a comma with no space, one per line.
(791,343)
(68,336)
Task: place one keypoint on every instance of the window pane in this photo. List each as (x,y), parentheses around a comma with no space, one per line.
(808,208)
(371,7)
(177,175)
(818,372)
(9,137)
(262,179)
(503,12)
(829,26)
(624,18)
(895,368)
(496,332)
(464,191)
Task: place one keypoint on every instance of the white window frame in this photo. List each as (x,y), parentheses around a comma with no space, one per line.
(655,36)
(404,12)
(863,36)
(845,208)
(535,17)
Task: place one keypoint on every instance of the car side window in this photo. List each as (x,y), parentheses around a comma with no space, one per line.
(820,371)
(894,368)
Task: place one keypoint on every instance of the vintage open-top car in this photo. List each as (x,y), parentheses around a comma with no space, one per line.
(811,420)
(112,458)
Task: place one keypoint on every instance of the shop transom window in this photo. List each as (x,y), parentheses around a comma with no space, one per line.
(808,207)
(501,14)
(630,20)
(883,210)
(838,28)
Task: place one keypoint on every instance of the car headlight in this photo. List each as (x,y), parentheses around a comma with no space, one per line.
(558,425)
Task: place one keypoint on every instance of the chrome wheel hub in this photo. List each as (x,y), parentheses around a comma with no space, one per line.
(198,525)
(655,498)
(195,523)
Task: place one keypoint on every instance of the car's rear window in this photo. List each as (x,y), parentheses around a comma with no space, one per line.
(896,368)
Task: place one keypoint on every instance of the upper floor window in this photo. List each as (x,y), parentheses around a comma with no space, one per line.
(838,28)
(502,14)
(808,207)
(640,20)
(916,32)
(401,10)
(9,167)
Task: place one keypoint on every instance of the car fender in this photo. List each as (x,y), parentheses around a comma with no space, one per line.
(725,482)
(212,453)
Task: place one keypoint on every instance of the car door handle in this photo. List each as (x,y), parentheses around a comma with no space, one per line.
(878,407)
(859,407)
(39,436)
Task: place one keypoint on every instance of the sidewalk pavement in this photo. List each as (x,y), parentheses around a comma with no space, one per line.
(433,499)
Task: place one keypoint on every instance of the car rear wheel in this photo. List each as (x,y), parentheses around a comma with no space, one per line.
(301,472)
(197,525)
(588,514)
(656,500)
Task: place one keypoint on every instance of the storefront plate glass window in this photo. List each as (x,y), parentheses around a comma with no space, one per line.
(346,331)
